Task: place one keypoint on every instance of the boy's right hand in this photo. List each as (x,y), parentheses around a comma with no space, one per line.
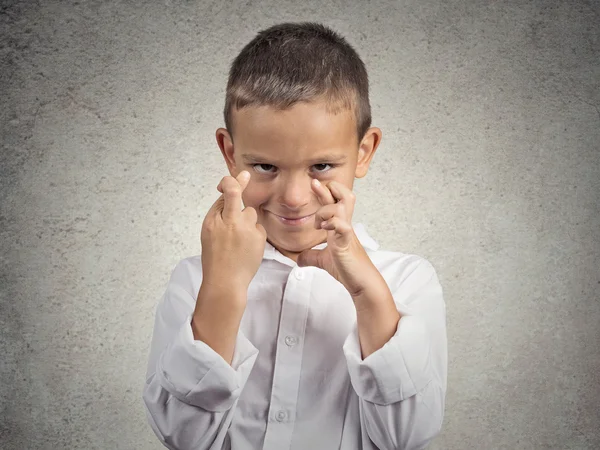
(233,243)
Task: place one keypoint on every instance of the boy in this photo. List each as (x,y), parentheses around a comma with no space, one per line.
(291,330)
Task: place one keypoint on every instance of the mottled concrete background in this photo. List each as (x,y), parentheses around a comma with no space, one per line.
(489,167)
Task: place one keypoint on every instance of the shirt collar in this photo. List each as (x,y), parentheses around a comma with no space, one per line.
(359,229)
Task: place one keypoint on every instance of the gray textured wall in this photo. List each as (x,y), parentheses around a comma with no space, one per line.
(489,167)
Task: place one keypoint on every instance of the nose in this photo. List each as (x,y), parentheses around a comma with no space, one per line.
(296,194)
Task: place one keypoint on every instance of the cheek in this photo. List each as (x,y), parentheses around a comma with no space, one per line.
(255,198)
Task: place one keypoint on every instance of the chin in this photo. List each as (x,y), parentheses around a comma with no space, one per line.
(298,241)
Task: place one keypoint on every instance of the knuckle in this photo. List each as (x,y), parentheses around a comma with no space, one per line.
(229,181)
(232,190)
(208,224)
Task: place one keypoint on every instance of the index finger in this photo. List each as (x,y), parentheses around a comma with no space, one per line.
(232,196)
(323,191)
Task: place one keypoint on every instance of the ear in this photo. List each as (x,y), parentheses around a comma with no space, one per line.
(366,151)
(225,143)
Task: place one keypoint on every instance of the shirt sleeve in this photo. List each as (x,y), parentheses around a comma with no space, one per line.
(190,392)
(402,386)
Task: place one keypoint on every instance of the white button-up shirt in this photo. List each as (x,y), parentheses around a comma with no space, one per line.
(297,380)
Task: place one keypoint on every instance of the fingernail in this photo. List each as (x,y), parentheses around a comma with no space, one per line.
(245,175)
(316,183)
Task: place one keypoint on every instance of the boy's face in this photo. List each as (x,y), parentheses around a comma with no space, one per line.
(284,151)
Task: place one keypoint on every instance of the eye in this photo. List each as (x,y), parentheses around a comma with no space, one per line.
(324,164)
(254,166)
(261,165)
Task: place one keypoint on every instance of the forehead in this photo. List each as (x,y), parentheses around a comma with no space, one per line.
(300,133)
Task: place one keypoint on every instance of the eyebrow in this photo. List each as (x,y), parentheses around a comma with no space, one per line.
(328,157)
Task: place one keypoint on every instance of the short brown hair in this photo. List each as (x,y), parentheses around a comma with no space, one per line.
(293,62)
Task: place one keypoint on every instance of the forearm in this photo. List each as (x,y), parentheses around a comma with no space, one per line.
(402,384)
(377,316)
(217,316)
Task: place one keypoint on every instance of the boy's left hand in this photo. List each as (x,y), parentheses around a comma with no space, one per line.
(344,258)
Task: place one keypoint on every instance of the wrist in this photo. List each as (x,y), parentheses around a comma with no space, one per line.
(214,299)
(375,297)
(369,282)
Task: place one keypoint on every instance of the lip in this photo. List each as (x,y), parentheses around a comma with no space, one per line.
(296,222)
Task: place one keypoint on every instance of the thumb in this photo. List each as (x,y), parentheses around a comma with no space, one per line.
(310,258)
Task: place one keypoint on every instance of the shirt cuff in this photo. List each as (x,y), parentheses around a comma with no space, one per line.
(396,371)
(194,373)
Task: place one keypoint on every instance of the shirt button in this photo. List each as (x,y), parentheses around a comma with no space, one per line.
(290,341)
(299,274)
(280,416)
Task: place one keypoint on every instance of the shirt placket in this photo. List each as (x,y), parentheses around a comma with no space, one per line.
(288,360)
